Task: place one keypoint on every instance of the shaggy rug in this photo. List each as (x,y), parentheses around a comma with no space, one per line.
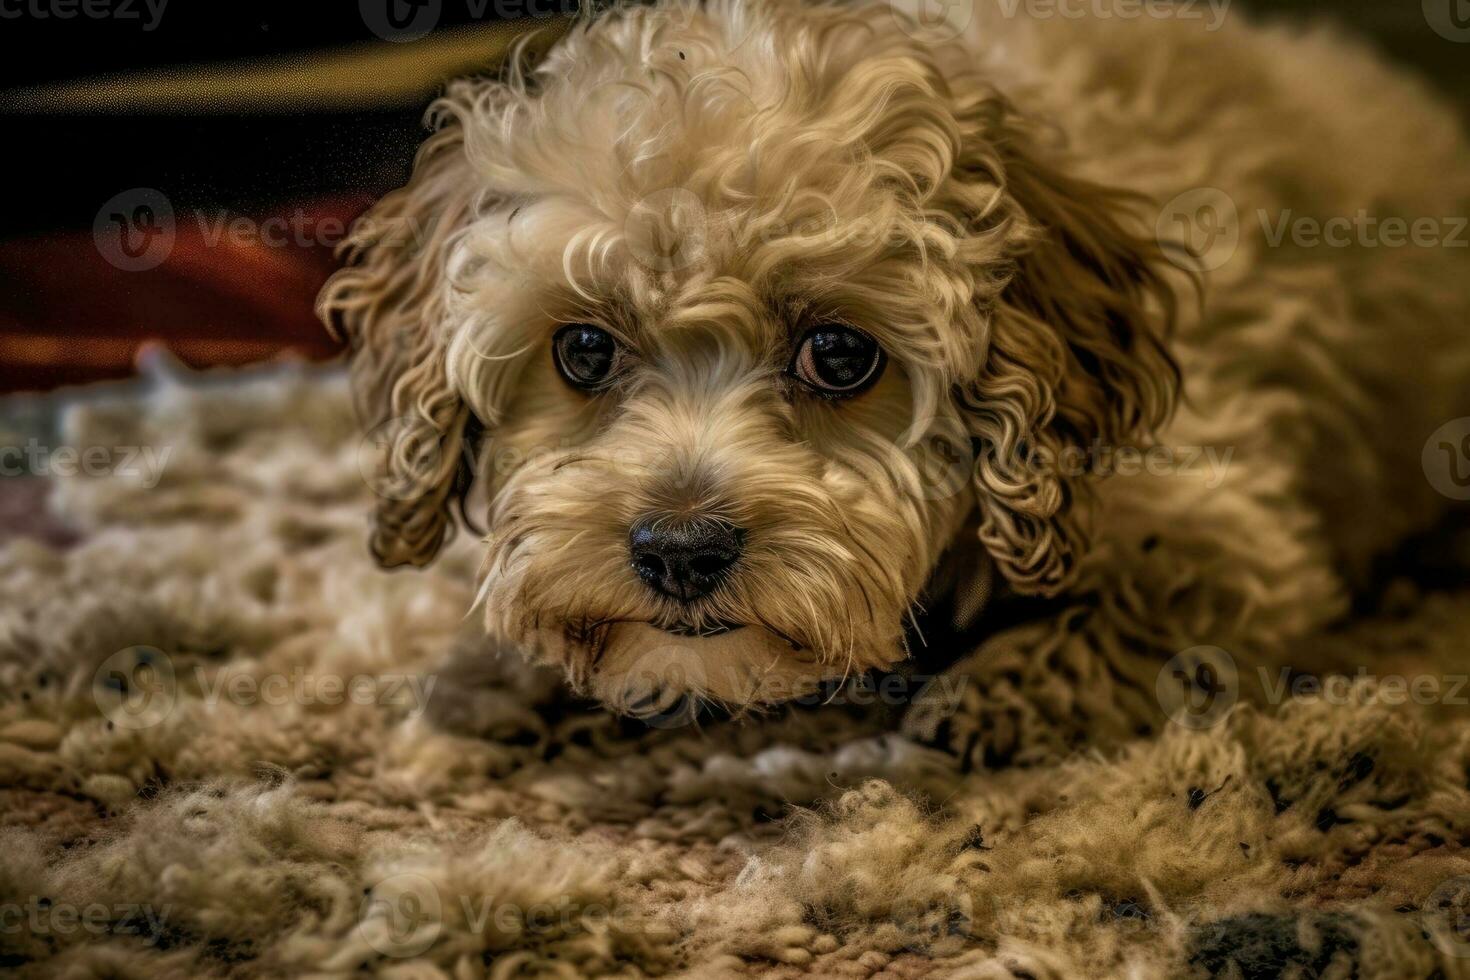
(230,745)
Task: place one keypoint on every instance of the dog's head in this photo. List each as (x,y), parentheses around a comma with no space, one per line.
(743,314)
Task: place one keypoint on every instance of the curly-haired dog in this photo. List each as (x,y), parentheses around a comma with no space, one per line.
(716,301)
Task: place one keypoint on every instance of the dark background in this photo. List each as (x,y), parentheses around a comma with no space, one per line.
(268,160)
(72,162)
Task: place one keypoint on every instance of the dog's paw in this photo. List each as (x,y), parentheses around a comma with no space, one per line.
(1033,694)
(980,718)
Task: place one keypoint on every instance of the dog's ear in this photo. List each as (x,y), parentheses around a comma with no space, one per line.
(390,303)
(1075,355)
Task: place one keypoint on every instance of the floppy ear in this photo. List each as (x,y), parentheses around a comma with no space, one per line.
(1075,356)
(390,302)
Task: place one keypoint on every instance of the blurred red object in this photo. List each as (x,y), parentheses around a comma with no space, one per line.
(227,290)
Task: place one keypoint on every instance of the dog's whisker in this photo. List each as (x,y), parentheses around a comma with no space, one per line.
(914,622)
(589,457)
(481,355)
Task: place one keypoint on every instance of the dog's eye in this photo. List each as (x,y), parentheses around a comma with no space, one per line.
(838,361)
(585,354)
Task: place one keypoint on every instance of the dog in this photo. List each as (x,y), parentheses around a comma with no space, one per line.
(774,343)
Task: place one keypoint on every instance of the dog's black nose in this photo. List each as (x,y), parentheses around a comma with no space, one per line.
(684,557)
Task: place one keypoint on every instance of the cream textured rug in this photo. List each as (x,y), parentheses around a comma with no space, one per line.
(230,745)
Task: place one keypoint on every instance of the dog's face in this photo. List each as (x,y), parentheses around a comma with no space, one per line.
(740,318)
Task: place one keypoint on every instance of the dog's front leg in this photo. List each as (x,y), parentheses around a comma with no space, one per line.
(1038,691)
(1171,619)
